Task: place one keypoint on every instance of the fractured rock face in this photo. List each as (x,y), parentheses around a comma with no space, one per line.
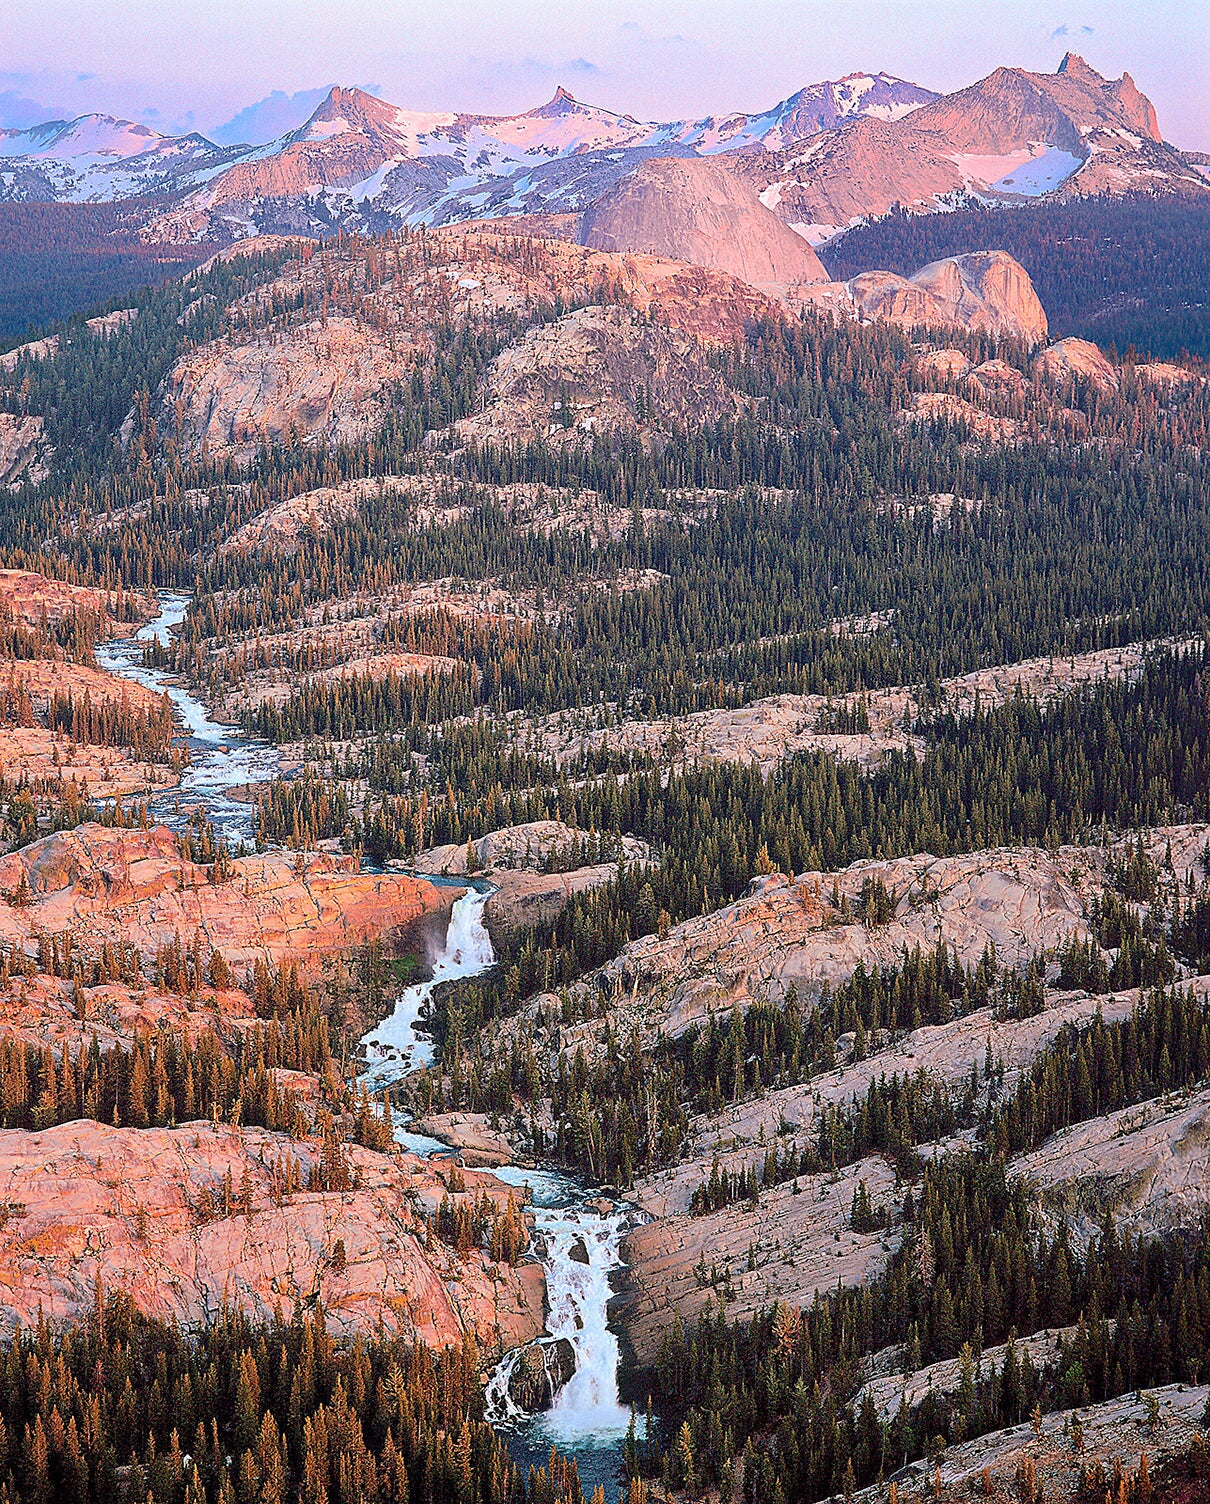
(326,380)
(598,370)
(143,1210)
(107,885)
(982,290)
(20,444)
(697,211)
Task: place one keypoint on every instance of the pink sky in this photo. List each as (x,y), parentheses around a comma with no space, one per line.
(184,64)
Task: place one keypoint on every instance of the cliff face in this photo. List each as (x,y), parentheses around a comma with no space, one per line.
(697,211)
(985,290)
(20,445)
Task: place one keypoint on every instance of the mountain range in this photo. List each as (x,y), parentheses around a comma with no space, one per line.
(829,156)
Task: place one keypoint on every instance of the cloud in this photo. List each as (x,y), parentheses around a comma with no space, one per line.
(1070,31)
(273,116)
(18,113)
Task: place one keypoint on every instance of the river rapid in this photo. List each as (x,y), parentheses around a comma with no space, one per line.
(221,757)
(578,1246)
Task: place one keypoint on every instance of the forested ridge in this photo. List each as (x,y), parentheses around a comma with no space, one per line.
(823,540)
(124,1407)
(56,259)
(1106,759)
(779,1394)
(1124,272)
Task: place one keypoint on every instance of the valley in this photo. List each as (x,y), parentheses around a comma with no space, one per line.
(604,817)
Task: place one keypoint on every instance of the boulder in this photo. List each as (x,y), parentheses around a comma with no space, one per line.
(539,1373)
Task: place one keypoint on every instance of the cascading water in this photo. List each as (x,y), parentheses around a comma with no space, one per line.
(221,757)
(578,1247)
(398,1045)
(580,1250)
(586,1420)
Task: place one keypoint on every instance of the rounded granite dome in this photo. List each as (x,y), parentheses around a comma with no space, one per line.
(692,209)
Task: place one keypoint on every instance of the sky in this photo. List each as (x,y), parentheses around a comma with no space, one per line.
(249,69)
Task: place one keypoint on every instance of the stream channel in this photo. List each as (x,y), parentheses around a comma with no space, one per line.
(586,1420)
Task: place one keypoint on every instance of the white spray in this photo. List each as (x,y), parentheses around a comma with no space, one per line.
(398,1044)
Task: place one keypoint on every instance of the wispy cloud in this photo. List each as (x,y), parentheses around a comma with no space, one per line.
(1070,31)
(17,112)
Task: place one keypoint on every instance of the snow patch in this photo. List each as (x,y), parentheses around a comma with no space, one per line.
(1030,171)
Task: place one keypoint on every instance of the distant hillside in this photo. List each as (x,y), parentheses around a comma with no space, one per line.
(56,259)
(1115,271)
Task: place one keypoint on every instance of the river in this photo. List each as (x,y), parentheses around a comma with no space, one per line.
(221,757)
(579,1247)
(587,1420)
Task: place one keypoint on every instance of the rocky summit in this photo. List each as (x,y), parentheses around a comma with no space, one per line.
(698,212)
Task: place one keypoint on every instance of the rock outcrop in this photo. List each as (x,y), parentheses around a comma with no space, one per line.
(1149,1165)
(530,848)
(518,859)
(107,885)
(144,1210)
(599,370)
(20,445)
(695,210)
(795,933)
(331,367)
(767,731)
(1070,359)
(540,1372)
(49,758)
(326,381)
(982,290)
(1118,1435)
(795,1244)
(985,290)
(56,1011)
(32,598)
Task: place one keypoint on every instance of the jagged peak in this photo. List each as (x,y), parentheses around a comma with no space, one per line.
(560,103)
(1074,66)
(340,94)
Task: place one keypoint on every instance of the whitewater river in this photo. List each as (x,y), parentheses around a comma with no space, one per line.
(579,1248)
(221,757)
(586,1421)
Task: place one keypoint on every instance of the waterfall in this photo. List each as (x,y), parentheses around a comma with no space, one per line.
(398,1044)
(586,1411)
(586,1420)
